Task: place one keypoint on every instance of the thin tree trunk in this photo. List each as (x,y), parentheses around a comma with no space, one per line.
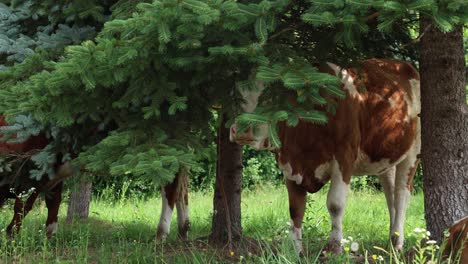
(80,197)
(226,225)
(444,122)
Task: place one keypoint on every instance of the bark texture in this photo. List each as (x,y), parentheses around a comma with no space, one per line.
(228,187)
(80,197)
(444,129)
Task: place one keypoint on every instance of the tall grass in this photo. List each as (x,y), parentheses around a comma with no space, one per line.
(122,230)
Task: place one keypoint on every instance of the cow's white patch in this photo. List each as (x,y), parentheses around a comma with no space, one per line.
(166,215)
(51,228)
(322,171)
(336,202)
(296,236)
(260,133)
(414,104)
(287,172)
(392,102)
(297,178)
(251,97)
(285,168)
(363,165)
(346,79)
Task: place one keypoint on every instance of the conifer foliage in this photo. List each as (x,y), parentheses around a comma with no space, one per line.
(32,33)
(155,69)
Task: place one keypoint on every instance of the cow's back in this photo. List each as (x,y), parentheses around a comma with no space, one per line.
(389,117)
(373,128)
(33,142)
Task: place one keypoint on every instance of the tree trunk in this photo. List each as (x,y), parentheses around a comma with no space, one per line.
(78,206)
(444,122)
(226,225)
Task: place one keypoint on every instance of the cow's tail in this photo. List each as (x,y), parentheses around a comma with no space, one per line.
(182,202)
(182,186)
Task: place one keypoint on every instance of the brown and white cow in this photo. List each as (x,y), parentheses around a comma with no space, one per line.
(457,242)
(375,131)
(175,193)
(12,186)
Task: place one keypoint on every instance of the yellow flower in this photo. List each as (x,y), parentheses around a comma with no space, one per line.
(397,233)
(374,257)
(232,253)
(346,249)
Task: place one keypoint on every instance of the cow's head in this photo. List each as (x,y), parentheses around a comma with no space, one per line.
(258,137)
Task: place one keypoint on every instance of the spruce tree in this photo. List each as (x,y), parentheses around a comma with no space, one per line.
(155,70)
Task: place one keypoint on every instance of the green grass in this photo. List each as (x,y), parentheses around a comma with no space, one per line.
(123,231)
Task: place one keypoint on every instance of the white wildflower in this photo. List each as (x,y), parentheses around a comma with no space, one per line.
(354,247)
(446,233)
(428,233)
(431,242)
(344,241)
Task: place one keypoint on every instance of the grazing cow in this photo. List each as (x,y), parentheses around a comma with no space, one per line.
(457,242)
(19,182)
(12,186)
(375,131)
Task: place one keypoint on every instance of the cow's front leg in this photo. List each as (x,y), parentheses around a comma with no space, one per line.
(297,204)
(336,204)
(21,209)
(53,201)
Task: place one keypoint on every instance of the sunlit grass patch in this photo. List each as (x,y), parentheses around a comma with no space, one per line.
(123,231)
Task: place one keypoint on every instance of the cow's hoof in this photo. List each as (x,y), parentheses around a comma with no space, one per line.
(396,243)
(183,237)
(160,237)
(183,231)
(301,254)
(398,247)
(333,247)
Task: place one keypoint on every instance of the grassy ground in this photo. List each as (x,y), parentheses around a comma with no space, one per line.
(123,231)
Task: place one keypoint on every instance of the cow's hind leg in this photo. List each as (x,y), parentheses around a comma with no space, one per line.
(403,186)
(53,201)
(168,197)
(21,209)
(297,204)
(183,222)
(336,204)
(387,180)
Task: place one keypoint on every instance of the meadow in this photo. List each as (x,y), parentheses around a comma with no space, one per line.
(122,229)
